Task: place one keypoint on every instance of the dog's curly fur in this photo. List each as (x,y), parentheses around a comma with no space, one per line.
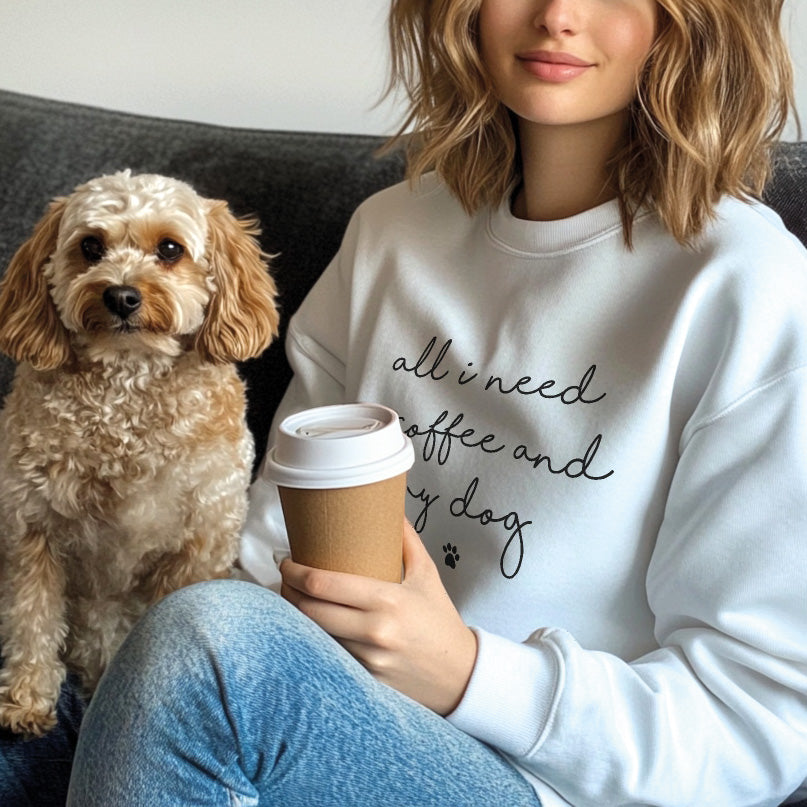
(124,452)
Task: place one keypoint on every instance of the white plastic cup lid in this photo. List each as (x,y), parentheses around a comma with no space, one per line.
(339,446)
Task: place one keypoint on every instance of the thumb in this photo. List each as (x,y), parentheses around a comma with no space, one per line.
(416,558)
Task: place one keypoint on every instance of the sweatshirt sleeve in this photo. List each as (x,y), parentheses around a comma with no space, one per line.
(718,714)
(316,347)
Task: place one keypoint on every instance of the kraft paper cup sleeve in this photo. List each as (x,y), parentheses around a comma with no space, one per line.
(357,530)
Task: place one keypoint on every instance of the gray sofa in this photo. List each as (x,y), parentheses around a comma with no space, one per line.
(303,188)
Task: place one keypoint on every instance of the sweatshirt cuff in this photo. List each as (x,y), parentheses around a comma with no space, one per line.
(263,537)
(510,697)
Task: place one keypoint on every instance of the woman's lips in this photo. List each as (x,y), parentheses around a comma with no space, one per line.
(552,66)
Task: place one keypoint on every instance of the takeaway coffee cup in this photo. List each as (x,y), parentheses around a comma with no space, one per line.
(341,474)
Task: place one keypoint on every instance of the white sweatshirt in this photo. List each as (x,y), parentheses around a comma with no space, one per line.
(611,475)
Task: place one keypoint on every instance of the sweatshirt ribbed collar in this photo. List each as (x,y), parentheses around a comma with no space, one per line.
(553,237)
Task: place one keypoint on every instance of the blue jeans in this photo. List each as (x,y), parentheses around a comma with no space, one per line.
(224,694)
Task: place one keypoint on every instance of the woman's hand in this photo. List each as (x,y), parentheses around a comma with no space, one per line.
(408,635)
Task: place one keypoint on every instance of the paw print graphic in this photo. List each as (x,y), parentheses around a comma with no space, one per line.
(451,555)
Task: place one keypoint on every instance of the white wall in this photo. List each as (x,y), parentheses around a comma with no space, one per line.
(795,24)
(283,64)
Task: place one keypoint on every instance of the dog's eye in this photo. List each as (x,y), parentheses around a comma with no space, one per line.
(169,250)
(92,248)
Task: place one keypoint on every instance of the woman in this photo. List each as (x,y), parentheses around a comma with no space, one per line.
(596,341)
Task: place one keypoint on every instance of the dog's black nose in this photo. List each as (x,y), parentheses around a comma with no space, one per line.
(122,300)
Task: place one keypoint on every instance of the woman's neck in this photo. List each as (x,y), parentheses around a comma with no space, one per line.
(566,168)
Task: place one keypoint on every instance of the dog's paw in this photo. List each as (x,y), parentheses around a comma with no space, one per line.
(33,719)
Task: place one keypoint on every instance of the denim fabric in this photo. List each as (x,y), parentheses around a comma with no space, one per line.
(35,773)
(224,694)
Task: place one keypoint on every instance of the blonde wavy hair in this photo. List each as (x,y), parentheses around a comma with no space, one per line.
(710,104)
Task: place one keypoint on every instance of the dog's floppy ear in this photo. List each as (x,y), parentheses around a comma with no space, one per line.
(30,328)
(241,318)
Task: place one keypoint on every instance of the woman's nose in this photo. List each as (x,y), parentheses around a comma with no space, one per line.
(558,17)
